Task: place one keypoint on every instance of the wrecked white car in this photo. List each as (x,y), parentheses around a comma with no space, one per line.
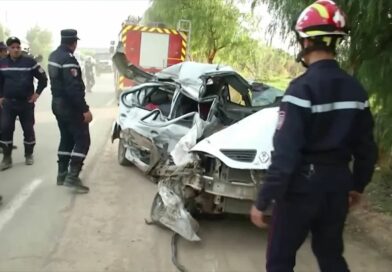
(203,132)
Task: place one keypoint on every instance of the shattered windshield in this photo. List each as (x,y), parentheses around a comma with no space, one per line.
(265,97)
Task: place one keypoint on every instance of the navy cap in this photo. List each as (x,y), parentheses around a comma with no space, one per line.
(69,34)
(2,46)
(12,40)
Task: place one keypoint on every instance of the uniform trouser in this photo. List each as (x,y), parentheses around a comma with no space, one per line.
(321,214)
(1,110)
(74,134)
(25,112)
(74,142)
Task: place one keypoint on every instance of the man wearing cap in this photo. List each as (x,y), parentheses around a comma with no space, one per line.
(71,111)
(3,54)
(17,99)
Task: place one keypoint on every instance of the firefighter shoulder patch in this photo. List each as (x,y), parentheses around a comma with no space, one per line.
(282,117)
(74,72)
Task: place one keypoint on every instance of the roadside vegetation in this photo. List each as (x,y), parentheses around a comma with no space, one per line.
(221,33)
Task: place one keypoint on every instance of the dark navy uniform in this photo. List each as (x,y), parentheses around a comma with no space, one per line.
(68,106)
(16,87)
(3,54)
(324,122)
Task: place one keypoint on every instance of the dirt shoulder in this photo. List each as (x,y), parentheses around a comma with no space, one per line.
(374,227)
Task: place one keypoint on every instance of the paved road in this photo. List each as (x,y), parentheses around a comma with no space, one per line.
(46,228)
(35,210)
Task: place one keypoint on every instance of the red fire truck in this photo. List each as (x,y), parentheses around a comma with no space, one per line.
(152,48)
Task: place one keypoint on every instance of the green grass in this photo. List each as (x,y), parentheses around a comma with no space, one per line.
(379,192)
(279,83)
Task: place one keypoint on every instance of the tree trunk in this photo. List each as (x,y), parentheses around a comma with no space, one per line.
(211,55)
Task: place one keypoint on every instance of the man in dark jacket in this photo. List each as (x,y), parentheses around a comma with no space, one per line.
(71,111)
(324,122)
(17,99)
(3,54)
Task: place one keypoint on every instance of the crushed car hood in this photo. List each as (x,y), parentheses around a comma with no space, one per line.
(192,76)
(246,144)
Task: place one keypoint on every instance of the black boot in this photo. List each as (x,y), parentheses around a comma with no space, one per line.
(6,163)
(7,159)
(29,150)
(62,172)
(1,148)
(72,180)
(29,159)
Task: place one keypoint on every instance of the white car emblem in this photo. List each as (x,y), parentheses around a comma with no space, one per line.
(264,157)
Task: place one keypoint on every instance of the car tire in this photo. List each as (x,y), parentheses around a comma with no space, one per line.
(122,160)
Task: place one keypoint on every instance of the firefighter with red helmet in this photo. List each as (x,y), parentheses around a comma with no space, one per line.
(324,124)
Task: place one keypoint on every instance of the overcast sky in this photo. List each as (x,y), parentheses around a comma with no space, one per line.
(97,21)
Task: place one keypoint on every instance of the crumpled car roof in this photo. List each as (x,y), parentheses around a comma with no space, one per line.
(188,75)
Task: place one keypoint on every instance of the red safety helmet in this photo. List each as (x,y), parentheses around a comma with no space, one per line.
(322,18)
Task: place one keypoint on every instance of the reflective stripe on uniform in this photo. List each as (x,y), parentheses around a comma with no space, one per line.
(54,64)
(297,101)
(71,65)
(64,153)
(6,142)
(18,68)
(29,143)
(75,154)
(346,105)
(343,105)
(63,66)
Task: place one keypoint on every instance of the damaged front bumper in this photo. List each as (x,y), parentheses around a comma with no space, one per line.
(188,190)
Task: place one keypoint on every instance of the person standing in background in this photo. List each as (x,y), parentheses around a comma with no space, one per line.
(17,99)
(71,111)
